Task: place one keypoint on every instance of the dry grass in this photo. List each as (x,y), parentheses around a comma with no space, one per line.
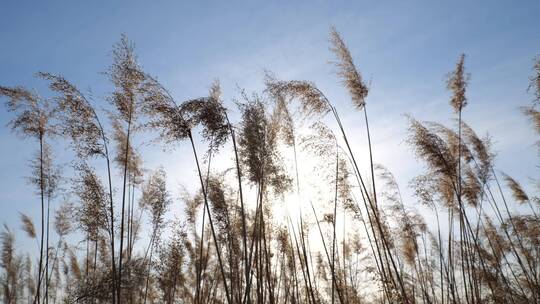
(360,244)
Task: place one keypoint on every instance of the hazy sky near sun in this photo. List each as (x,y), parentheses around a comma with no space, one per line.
(404,47)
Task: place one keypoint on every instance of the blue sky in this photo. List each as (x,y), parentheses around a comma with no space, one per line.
(404,47)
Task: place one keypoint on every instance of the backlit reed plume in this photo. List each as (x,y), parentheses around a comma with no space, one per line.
(128,79)
(155,198)
(457,84)
(472,187)
(350,76)
(430,147)
(221,203)
(134,161)
(28,226)
(517,191)
(164,114)
(312,101)
(452,140)
(208,112)
(481,152)
(63,219)
(321,142)
(79,121)
(439,158)
(282,121)
(474,154)
(258,147)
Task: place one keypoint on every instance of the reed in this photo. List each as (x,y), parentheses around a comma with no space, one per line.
(459,240)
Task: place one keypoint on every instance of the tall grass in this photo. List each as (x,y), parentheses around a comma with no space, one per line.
(236,240)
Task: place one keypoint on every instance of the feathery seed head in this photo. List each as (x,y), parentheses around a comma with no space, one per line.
(78,120)
(258,149)
(163,113)
(350,76)
(312,101)
(155,197)
(28,225)
(128,79)
(433,149)
(457,84)
(34,114)
(517,191)
(92,213)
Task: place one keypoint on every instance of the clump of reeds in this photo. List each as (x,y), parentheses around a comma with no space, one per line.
(359,242)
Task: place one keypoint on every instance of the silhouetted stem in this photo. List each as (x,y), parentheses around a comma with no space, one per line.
(210,220)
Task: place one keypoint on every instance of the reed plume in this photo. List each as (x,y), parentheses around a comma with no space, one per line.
(258,148)
(92,211)
(432,148)
(517,191)
(312,101)
(457,84)
(79,121)
(28,226)
(351,77)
